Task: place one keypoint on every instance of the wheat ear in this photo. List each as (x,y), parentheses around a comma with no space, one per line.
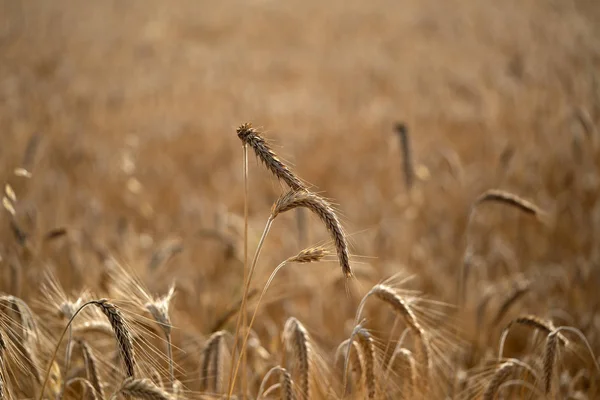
(285,384)
(365,340)
(549,360)
(143,389)
(322,208)
(212,362)
(407,162)
(121,332)
(297,344)
(530,321)
(90,367)
(502,374)
(251,137)
(408,370)
(87,385)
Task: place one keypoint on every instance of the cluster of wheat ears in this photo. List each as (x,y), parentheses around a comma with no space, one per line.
(121,344)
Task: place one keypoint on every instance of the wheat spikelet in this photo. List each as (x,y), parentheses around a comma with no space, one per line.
(311,254)
(250,136)
(143,389)
(502,374)
(90,367)
(549,360)
(324,211)
(365,340)
(121,332)
(297,345)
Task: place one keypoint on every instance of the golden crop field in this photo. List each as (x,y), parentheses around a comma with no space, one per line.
(422,197)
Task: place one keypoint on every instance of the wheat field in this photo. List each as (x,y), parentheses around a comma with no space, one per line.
(300,200)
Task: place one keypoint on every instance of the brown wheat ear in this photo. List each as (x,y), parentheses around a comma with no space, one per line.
(143,389)
(250,136)
(407,162)
(322,208)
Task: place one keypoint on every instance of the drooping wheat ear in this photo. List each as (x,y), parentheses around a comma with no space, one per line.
(407,370)
(388,295)
(311,254)
(324,211)
(250,136)
(498,196)
(549,360)
(87,386)
(212,363)
(533,322)
(143,389)
(501,196)
(122,334)
(297,345)
(407,162)
(90,367)
(500,376)
(519,290)
(365,340)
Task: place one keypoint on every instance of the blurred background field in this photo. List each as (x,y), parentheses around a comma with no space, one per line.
(133,108)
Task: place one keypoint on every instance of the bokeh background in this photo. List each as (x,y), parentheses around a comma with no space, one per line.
(129,111)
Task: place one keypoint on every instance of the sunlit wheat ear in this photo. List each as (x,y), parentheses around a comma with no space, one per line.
(297,349)
(324,211)
(549,360)
(404,363)
(213,360)
(407,163)
(250,136)
(503,373)
(365,340)
(286,385)
(121,332)
(530,321)
(91,369)
(143,389)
